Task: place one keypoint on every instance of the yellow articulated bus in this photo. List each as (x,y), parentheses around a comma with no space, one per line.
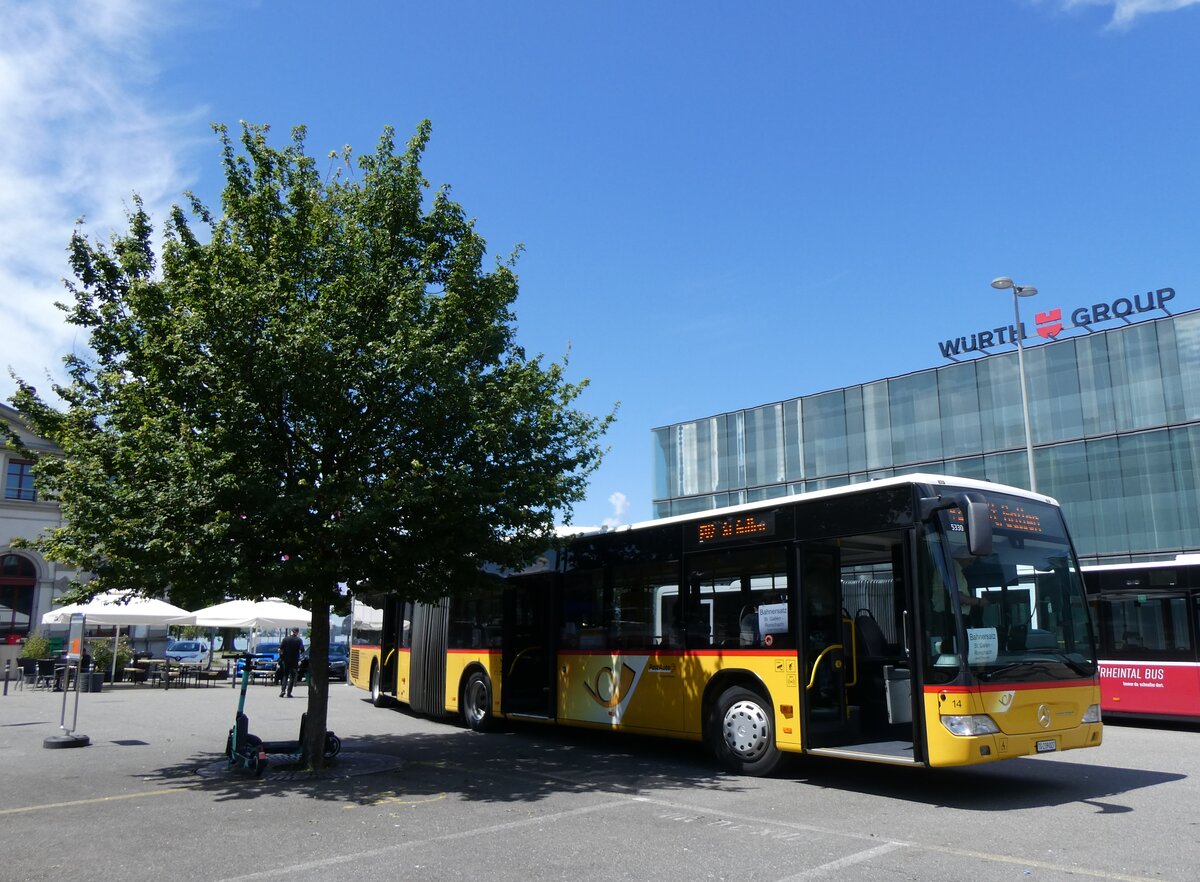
(918,620)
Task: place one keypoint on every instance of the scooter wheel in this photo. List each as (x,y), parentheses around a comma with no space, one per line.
(333,745)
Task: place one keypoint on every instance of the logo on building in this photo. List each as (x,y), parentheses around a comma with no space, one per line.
(1049,325)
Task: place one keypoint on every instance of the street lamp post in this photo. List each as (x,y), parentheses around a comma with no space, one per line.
(1019,291)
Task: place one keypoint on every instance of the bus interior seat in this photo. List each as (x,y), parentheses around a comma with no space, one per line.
(748,627)
(875,654)
(1017,634)
(871,640)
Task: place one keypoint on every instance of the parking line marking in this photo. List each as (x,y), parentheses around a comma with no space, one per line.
(53,805)
(1029,863)
(849,860)
(334,860)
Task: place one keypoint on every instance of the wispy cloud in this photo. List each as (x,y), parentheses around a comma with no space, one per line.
(78,137)
(620,503)
(1126,11)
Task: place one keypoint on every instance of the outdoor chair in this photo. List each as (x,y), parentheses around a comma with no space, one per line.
(45,673)
(27,672)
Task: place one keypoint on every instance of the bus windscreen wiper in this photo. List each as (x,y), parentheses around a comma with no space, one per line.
(1060,656)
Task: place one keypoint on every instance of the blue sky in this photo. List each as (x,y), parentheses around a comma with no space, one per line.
(722,205)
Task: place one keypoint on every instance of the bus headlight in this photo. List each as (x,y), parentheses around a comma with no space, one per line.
(970,724)
(1092,714)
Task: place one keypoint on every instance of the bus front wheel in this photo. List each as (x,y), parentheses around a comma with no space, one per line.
(477,702)
(741,733)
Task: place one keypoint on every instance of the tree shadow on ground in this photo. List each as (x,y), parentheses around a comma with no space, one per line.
(521,762)
(527,762)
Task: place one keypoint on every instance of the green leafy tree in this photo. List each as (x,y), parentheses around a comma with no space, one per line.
(319,386)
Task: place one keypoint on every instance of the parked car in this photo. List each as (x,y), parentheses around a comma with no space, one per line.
(187,651)
(339,662)
(266,658)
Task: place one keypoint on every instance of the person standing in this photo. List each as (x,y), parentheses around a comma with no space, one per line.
(290,650)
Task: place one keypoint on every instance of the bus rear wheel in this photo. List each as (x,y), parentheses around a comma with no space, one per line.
(378,698)
(741,734)
(477,702)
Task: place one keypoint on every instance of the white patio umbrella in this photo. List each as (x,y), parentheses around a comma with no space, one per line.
(117,608)
(248,614)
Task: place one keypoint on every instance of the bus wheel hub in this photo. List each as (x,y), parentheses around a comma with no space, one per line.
(746,729)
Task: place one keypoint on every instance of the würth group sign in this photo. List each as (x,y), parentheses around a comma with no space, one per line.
(1050,324)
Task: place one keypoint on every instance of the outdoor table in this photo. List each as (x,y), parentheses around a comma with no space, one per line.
(265,675)
(190,671)
(153,668)
(171,672)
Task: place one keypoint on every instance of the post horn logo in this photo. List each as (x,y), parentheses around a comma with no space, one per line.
(608,691)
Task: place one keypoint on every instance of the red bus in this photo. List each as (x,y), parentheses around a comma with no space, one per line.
(1148,616)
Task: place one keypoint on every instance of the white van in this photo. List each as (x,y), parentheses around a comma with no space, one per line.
(188,651)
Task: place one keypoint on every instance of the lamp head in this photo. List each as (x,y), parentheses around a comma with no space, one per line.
(1025,290)
(1002,283)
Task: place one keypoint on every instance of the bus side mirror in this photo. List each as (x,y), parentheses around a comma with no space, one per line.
(977,518)
(978,515)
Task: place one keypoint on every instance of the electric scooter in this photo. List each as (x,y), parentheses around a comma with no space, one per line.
(243,749)
(249,752)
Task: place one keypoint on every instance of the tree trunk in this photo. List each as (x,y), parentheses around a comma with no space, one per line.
(318,686)
(228,636)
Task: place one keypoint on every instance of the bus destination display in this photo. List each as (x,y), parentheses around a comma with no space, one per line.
(739,527)
(1008,516)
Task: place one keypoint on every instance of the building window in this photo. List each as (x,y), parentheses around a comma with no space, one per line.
(19,482)
(18,576)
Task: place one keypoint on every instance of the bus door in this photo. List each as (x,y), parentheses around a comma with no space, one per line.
(858,691)
(527,680)
(394,612)
(427,657)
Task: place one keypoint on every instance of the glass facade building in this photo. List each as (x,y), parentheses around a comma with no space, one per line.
(1115,418)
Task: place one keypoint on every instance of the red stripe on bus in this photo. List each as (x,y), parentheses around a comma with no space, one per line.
(689,653)
(1009,687)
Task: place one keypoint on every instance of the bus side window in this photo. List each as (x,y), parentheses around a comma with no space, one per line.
(583,610)
(740,599)
(635,622)
(1146,627)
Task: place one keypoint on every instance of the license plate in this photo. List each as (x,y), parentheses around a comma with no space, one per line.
(1047,746)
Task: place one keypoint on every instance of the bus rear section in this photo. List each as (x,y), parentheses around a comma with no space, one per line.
(452,658)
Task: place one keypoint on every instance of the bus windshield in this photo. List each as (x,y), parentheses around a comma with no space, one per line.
(1016,614)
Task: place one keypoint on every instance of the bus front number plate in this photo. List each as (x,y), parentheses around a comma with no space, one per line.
(1047,746)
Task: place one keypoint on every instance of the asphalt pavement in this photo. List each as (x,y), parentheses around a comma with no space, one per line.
(151,798)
